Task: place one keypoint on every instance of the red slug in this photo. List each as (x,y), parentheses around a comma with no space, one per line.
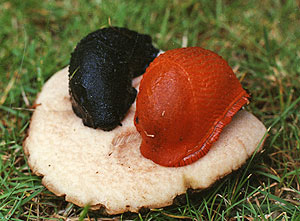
(186,97)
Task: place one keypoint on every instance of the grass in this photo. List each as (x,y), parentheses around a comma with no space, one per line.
(260,40)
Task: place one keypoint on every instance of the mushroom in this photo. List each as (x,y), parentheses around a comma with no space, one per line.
(106,169)
(187,96)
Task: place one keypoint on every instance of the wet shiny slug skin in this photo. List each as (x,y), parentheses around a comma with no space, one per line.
(186,97)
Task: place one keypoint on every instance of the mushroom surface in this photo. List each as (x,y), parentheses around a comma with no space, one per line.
(106,169)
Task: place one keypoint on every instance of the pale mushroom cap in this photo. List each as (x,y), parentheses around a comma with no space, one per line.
(106,169)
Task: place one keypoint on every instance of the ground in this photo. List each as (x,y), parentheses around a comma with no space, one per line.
(259,39)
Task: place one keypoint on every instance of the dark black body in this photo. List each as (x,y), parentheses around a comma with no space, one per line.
(101,70)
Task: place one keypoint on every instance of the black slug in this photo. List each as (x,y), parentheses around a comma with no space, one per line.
(101,70)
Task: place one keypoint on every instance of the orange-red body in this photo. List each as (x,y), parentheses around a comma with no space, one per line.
(185,99)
